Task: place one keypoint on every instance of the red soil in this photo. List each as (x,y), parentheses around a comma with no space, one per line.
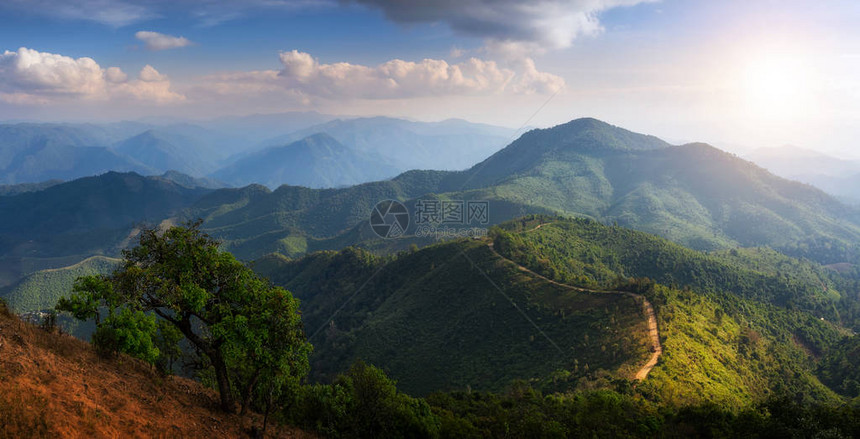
(53,385)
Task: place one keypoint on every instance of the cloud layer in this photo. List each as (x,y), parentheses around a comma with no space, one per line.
(114,13)
(304,75)
(549,24)
(119,13)
(30,76)
(159,41)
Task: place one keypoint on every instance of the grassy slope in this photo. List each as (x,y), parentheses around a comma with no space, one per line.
(53,385)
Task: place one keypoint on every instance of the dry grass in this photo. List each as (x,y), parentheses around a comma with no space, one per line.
(53,385)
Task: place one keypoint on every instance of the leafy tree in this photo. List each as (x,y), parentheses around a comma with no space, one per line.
(248,333)
(363,403)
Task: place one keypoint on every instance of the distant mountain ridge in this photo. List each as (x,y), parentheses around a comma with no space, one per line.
(164,152)
(373,148)
(316,161)
(405,145)
(694,194)
(836,176)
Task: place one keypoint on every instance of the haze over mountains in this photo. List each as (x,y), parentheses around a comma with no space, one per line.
(228,147)
(695,195)
(834,175)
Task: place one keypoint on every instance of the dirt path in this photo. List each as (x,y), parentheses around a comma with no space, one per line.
(653,333)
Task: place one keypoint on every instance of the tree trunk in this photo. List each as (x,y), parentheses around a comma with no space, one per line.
(227,403)
(248,394)
(211,351)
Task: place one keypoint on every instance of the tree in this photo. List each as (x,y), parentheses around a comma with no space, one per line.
(248,333)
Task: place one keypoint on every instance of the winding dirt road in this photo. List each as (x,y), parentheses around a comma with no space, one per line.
(653,333)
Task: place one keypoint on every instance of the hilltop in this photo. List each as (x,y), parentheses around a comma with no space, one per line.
(54,385)
(540,302)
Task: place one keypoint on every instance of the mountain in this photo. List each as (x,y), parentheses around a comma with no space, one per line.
(559,303)
(434,322)
(836,176)
(15,189)
(384,147)
(406,145)
(791,161)
(68,222)
(560,144)
(843,187)
(31,153)
(317,161)
(257,128)
(693,194)
(165,152)
(192,182)
(40,291)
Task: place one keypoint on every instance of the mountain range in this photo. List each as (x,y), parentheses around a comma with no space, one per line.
(316,161)
(404,145)
(370,149)
(836,176)
(694,194)
(674,285)
(548,303)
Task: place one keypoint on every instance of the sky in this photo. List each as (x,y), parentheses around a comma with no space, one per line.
(737,74)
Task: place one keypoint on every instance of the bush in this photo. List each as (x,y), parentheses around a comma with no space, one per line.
(363,403)
(130,332)
(4,308)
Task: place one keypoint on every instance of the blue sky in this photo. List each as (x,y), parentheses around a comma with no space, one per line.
(735,73)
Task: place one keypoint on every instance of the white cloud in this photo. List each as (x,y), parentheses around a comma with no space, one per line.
(303,75)
(159,41)
(115,75)
(457,52)
(548,24)
(30,76)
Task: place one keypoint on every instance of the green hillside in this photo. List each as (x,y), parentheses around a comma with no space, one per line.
(694,195)
(435,320)
(587,253)
(733,332)
(40,291)
(87,216)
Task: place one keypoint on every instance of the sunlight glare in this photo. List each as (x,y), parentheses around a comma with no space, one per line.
(776,87)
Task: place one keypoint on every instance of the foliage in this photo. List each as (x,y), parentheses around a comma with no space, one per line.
(126,331)
(839,368)
(167,340)
(363,403)
(524,412)
(249,333)
(584,252)
(735,328)
(435,322)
